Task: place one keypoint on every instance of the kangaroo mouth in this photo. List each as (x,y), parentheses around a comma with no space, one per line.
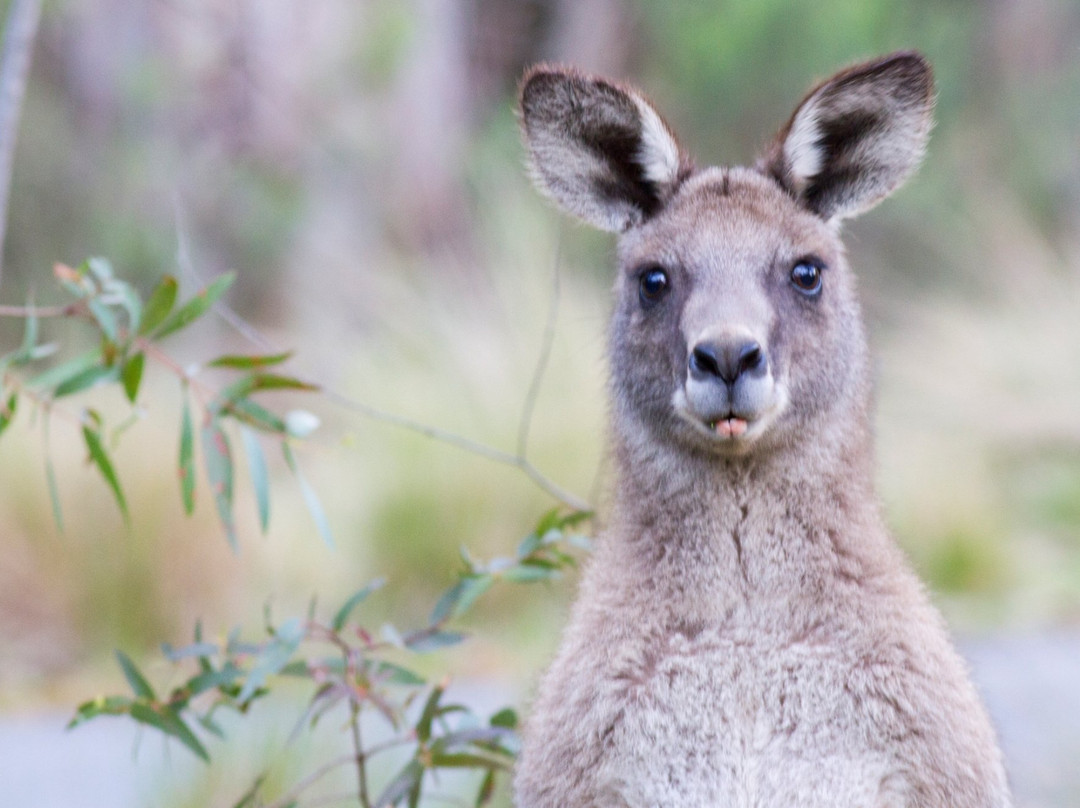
(730,427)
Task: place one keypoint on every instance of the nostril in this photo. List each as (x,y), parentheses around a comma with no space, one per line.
(750,358)
(704,362)
(726,360)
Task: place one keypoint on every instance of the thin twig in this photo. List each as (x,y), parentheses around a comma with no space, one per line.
(542,361)
(19,33)
(301,785)
(330,799)
(519,461)
(358,748)
(67,310)
(466,444)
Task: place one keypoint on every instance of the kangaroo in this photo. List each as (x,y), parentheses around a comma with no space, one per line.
(747,634)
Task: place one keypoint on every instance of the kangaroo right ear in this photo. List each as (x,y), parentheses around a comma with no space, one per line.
(598,150)
(856,137)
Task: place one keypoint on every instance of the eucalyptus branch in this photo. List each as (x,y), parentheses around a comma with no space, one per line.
(309,780)
(19,33)
(67,310)
(358,750)
(525,424)
(466,444)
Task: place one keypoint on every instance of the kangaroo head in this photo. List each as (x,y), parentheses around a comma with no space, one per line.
(736,327)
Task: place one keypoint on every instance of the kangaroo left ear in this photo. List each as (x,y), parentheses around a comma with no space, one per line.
(856,137)
(598,149)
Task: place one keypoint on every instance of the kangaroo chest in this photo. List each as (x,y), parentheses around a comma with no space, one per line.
(740,721)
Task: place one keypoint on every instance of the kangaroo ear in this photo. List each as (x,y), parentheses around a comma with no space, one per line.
(599,150)
(856,137)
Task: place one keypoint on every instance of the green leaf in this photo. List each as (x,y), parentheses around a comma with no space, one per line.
(427,715)
(256,461)
(139,686)
(506,718)
(248,362)
(120,292)
(195,649)
(359,597)
(84,380)
(395,674)
(529,545)
(158,305)
(187,459)
(253,382)
(29,343)
(274,656)
(170,723)
(228,675)
(528,573)
(7,412)
(549,521)
(248,412)
(311,499)
(194,308)
(104,317)
(102,705)
(50,476)
(66,370)
(217,457)
(487,789)
(406,781)
(101,459)
(424,641)
(460,597)
(478,759)
(131,375)
(100,268)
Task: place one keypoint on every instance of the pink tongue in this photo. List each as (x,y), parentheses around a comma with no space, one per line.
(731,427)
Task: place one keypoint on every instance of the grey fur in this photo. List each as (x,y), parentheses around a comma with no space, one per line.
(747,635)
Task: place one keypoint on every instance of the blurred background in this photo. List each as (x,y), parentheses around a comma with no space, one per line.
(358,164)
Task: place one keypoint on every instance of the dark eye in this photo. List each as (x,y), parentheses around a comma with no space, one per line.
(806,275)
(654,283)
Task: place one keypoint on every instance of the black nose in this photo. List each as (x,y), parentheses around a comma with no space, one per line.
(727,359)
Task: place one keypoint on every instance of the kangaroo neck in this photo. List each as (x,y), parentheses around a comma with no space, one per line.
(776,525)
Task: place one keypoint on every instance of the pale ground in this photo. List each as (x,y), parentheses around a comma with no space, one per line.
(1030,683)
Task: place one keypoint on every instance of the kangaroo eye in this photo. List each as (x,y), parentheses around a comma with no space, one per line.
(806,275)
(654,283)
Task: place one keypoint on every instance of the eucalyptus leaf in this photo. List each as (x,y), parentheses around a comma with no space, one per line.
(260,479)
(100,458)
(194,308)
(158,305)
(139,686)
(359,597)
(217,458)
(131,375)
(402,785)
(170,723)
(84,380)
(311,499)
(273,657)
(105,318)
(50,477)
(102,705)
(422,642)
(249,362)
(7,411)
(187,459)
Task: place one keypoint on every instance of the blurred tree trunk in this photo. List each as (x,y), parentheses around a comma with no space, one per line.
(19,32)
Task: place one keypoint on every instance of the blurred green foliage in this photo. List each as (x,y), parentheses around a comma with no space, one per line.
(414,273)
